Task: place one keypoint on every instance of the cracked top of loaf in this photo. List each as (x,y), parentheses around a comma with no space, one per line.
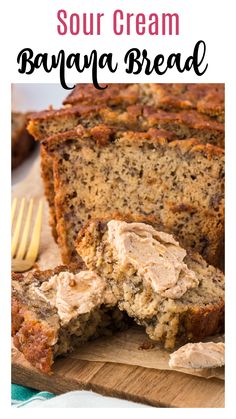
(115,94)
(207,98)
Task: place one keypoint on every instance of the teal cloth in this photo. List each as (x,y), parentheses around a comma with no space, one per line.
(21,396)
(29,398)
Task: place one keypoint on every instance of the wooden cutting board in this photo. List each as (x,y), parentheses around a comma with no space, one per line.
(144,385)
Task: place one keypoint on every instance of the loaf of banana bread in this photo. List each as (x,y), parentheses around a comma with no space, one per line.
(175,294)
(100,171)
(54,311)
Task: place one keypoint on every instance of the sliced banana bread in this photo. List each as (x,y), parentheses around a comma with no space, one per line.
(182,124)
(54,311)
(137,118)
(127,106)
(173,293)
(99,171)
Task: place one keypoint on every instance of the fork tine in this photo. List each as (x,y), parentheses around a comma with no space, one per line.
(34,243)
(17,228)
(22,247)
(13,209)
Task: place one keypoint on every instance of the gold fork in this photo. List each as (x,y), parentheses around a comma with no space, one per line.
(24,254)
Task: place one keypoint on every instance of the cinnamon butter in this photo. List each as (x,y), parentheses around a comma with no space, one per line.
(74,294)
(198,355)
(156,255)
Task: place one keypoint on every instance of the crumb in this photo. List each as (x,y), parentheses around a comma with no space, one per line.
(146,345)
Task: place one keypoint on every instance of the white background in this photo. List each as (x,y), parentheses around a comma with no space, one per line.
(33,24)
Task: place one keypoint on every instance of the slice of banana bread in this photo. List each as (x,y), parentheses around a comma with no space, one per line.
(180,183)
(46,123)
(182,124)
(54,311)
(173,293)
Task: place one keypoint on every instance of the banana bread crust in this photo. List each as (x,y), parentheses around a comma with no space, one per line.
(48,182)
(31,334)
(37,329)
(207,98)
(116,95)
(32,338)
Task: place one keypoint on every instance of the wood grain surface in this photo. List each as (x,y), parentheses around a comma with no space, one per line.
(144,385)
